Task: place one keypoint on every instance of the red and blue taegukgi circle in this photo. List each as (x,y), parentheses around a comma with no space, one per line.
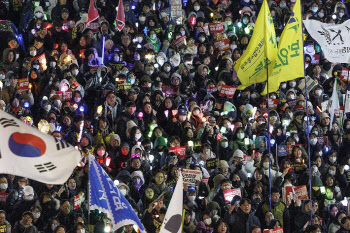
(26,145)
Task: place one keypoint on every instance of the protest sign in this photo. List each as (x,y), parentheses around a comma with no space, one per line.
(295,193)
(3,197)
(65,95)
(222,45)
(77,202)
(230,193)
(310,83)
(282,150)
(216,27)
(180,151)
(277,230)
(191,177)
(176,8)
(227,91)
(180,42)
(23,84)
(212,163)
(169,91)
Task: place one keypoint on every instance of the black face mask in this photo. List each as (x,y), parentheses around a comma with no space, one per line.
(103,73)
(236,183)
(147,149)
(327,66)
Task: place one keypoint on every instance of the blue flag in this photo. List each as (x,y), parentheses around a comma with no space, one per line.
(105,197)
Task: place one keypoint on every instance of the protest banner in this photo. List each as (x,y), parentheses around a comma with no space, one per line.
(176,9)
(290,148)
(245,159)
(293,193)
(191,177)
(230,193)
(222,45)
(124,86)
(227,91)
(3,197)
(77,201)
(277,230)
(65,95)
(23,84)
(211,89)
(180,42)
(310,83)
(212,163)
(180,151)
(169,91)
(282,150)
(344,75)
(272,103)
(216,27)
(323,140)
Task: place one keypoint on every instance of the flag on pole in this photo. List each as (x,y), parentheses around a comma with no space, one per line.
(334,103)
(290,55)
(25,151)
(173,218)
(252,66)
(105,197)
(93,13)
(120,16)
(333,39)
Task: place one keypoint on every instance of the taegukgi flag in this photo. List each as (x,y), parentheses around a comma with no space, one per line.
(25,151)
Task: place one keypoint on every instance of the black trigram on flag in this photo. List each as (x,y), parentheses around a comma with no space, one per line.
(45,167)
(61,144)
(8,122)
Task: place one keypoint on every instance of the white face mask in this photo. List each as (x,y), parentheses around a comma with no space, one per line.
(233,47)
(142,19)
(28,198)
(138,136)
(283,85)
(341,14)
(123,192)
(182,33)
(228,22)
(182,118)
(201,39)
(149,72)
(32,53)
(191,198)
(36,67)
(139,39)
(53,226)
(53,64)
(36,215)
(332,159)
(292,84)
(207,221)
(76,72)
(266,164)
(167,69)
(320,14)
(291,97)
(240,135)
(3,186)
(47,108)
(224,144)
(39,15)
(331,172)
(77,99)
(318,92)
(313,141)
(196,8)
(315,169)
(81,231)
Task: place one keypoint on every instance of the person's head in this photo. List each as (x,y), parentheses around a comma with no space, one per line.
(111,98)
(36,211)
(3,184)
(159,177)
(65,206)
(275,194)
(126,39)
(268,217)
(22,181)
(225,184)
(60,229)
(2,217)
(27,218)
(221,227)
(136,163)
(245,205)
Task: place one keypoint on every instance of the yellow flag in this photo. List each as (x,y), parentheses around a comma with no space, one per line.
(289,63)
(262,50)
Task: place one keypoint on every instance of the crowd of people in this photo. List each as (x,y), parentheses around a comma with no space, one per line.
(130,97)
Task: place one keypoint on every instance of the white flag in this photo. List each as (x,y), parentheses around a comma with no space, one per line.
(173,218)
(333,39)
(25,151)
(334,104)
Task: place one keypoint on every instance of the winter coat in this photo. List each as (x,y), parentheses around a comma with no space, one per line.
(240,222)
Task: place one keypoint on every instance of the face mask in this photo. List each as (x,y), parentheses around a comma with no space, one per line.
(283,6)
(81,231)
(53,226)
(266,164)
(224,144)
(100,152)
(182,33)
(75,72)
(318,92)
(116,59)
(2,76)
(191,198)
(77,100)
(182,118)
(233,47)
(138,136)
(284,85)
(201,39)
(123,192)
(36,67)
(153,36)
(167,69)
(236,183)
(139,39)
(314,9)
(28,198)
(313,141)
(142,19)
(273,97)
(292,84)
(331,172)
(39,15)
(47,108)
(228,23)
(240,135)
(196,8)
(207,221)
(332,159)
(321,15)
(315,169)
(214,212)
(132,81)
(341,15)
(32,53)
(274,118)
(150,72)
(3,186)
(36,215)
(53,64)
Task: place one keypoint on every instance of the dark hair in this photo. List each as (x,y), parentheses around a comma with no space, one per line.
(243,200)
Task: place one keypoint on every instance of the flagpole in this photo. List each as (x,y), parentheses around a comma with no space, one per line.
(103,48)
(268,126)
(307,127)
(88,159)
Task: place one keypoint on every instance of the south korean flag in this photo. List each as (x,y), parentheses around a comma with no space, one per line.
(25,151)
